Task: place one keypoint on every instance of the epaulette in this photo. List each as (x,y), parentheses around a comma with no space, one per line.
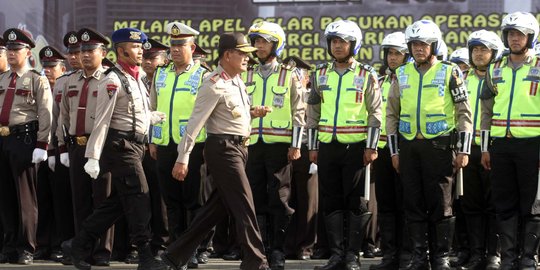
(205,66)
(35,71)
(215,78)
(446,62)
(368,68)
(111,69)
(286,66)
(67,74)
(164,65)
(321,66)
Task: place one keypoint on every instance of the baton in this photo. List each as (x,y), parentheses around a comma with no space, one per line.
(459,183)
(367,179)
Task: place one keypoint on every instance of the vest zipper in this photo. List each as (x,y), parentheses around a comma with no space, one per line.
(171,107)
(478,89)
(511,100)
(334,130)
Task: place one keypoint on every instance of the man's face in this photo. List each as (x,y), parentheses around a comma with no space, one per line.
(340,48)
(481,55)
(91,59)
(238,60)
(182,54)
(17,57)
(134,51)
(52,73)
(264,48)
(394,58)
(74,60)
(421,51)
(150,64)
(517,41)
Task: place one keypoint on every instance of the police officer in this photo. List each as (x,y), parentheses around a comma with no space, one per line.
(3,68)
(344,116)
(426,103)
(117,142)
(25,97)
(154,55)
(302,230)
(73,47)
(55,223)
(223,106)
(461,58)
(173,93)
(510,106)
(77,114)
(484,47)
(275,139)
(388,187)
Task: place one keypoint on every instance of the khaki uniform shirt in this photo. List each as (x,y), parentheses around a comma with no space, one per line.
(32,101)
(114,110)
(373,102)
(58,88)
(223,105)
(69,106)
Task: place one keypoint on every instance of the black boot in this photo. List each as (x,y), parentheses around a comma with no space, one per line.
(508,231)
(418,232)
(476,228)
(334,233)
(389,233)
(147,261)
(78,249)
(277,256)
(355,237)
(444,233)
(530,245)
(493,260)
(405,244)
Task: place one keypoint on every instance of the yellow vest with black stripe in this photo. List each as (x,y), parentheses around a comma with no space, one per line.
(343,109)
(517,104)
(177,104)
(427,107)
(385,89)
(273,91)
(474,88)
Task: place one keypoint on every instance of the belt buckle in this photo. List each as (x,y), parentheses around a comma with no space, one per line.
(81,140)
(4,131)
(245,142)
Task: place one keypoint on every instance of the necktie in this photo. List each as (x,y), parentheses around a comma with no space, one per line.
(81,110)
(8,101)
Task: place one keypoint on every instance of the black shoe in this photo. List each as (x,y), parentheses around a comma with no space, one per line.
(320,254)
(66,260)
(334,263)
(193,262)
(461,259)
(170,263)
(493,262)
(369,253)
(277,260)
(26,258)
(202,257)
(352,262)
(132,257)
(76,254)
(102,262)
(232,256)
(41,253)
(56,255)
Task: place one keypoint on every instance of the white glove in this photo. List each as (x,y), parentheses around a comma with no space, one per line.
(39,155)
(64,159)
(52,162)
(92,168)
(157,117)
(313,168)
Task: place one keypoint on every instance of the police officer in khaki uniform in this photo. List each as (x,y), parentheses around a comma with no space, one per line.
(73,48)
(223,106)
(3,68)
(25,97)
(117,142)
(77,114)
(55,220)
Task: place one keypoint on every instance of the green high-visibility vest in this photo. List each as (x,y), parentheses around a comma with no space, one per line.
(517,104)
(427,107)
(176,98)
(385,89)
(273,91)
(474,88)
(343,109)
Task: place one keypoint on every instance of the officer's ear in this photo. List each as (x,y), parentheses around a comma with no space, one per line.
(103,52)
(193,47)
(28,52)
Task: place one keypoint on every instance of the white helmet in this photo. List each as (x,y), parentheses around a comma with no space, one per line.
(537,49)
(486,38)
(272,32)
(524,22)
(460,55)
(346,30)
(396,41)
(442,50)
(425,31)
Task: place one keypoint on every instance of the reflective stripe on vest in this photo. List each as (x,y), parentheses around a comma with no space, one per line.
(275,92)
(474,88)
(177,104)
(517,104)
(426,102)
(343,110)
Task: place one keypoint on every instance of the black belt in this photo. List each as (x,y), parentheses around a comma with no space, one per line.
(237,139)
(24,128)
(129,135)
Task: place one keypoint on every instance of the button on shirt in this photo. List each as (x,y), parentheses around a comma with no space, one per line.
(223,105)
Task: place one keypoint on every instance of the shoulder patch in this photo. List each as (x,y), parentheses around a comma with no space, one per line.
(111,89)
(321,66)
